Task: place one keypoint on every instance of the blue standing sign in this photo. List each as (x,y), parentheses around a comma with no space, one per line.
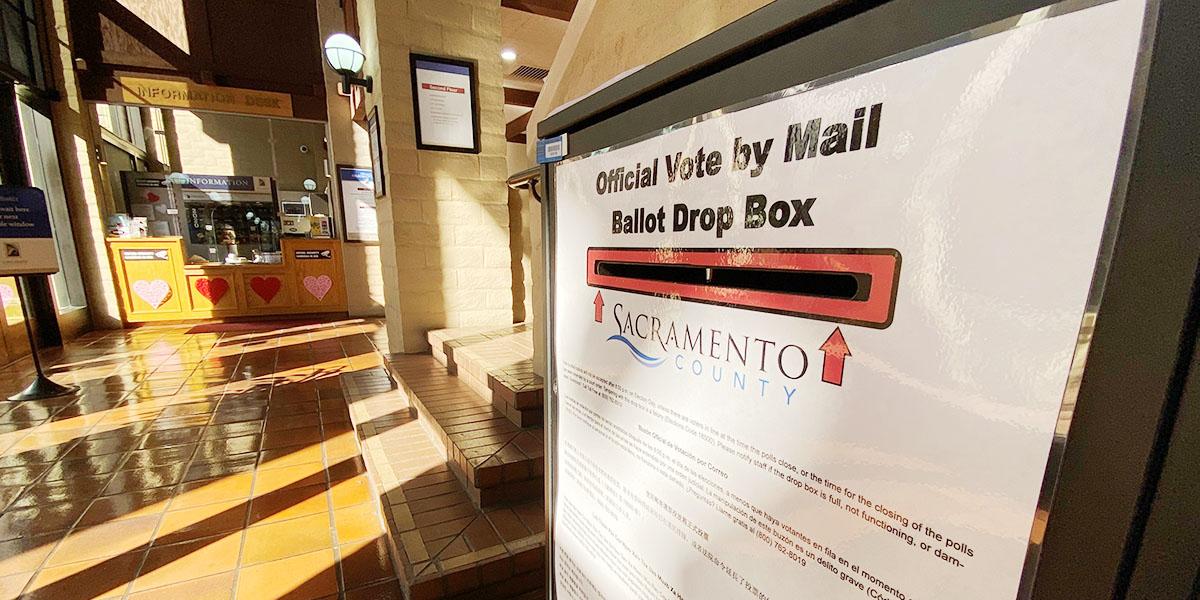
(26,240)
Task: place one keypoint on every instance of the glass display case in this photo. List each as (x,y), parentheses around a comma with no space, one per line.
(232,232)
(229,219)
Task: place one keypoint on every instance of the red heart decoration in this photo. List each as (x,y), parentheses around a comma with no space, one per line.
(266,287)
(213,289)
(151,196)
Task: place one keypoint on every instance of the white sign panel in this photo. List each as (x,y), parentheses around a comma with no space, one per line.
(358,204)
(445,107)
(26,239)
(817,347)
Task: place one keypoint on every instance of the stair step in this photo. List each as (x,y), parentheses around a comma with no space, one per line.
(443,545)
(498,364)
(497,461)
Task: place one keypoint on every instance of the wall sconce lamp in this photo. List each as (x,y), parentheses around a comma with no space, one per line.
(346,57)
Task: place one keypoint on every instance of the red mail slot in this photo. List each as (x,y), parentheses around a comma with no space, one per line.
(856,286)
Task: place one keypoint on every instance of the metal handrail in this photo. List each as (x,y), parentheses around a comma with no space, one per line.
(528,178)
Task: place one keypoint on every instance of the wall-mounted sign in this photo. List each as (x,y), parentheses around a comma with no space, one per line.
(817,345)
(133,255)
(358,203)
(375,136)
(26,240)
(314,254)
(446,103)
(174,93)
(229,183)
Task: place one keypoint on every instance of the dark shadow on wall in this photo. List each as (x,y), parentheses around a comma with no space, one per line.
(517,232)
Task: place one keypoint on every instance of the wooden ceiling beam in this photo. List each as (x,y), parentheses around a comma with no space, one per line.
(555,9)
(515,130)
(519,97)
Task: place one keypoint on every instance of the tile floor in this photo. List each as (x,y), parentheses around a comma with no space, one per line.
(195,463)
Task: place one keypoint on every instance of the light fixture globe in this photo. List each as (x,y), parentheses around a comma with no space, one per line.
(344,54)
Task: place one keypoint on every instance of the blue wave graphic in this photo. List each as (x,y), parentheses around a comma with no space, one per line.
(641,357)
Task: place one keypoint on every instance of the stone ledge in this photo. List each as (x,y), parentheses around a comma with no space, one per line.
(497,461)
(497,363)
(443,545)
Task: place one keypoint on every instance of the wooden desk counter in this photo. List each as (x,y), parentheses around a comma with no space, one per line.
(156,284)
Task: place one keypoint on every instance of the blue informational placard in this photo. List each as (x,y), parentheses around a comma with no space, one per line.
(355,174)
(26,239)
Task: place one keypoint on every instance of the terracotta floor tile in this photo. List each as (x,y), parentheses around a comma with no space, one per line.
(143,479)
(384,590)
(347,469)
(100,578)
(351,492)
(291,437)
(340,448)
(273,541)
(365,562)
(213,587)
(357,523)
(221,489)
(290,456)
(25,554)
(22,475)
(154,457)
(224,467)
(22,522)
(284,477)
(77,467)
(288,503)
(103,540)
(126,506)
(237,434)
(202,521)
(11,585)
(78,489)
(302,577)
(292,422)
(166,565)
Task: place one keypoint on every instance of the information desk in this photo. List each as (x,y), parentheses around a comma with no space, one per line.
(156,283)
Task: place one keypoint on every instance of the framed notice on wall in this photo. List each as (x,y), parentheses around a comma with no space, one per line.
(376,141)
(446,104)
(357,186)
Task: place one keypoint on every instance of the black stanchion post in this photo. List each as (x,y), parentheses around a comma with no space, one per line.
(40,322)
(42,387)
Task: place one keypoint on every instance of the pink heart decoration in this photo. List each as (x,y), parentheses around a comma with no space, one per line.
(318,286)
(8,296)
(155,292)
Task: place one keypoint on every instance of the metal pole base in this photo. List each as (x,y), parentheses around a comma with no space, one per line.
(43,388)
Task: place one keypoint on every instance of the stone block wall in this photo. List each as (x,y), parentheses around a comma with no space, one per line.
(444,222)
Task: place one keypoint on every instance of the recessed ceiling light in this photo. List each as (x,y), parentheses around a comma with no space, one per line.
(508,54)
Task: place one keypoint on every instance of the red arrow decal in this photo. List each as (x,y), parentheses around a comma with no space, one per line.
(599,304)
(836,351)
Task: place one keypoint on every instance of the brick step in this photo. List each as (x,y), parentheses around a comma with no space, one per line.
(497,461)
(443,545)
(497,363)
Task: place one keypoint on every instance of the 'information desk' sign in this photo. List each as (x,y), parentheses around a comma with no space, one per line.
(26,241)
(817,346)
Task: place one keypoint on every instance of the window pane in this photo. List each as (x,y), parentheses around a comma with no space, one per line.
(137,135)
(15,40)
(44,172)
